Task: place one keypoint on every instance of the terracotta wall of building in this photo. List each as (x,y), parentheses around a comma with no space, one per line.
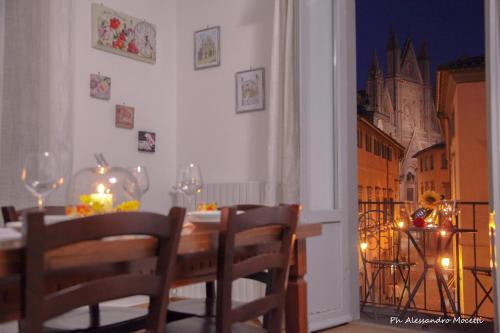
(377,175)
(468,159)
(433,173)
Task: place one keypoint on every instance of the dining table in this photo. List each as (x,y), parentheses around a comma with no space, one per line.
(196,263)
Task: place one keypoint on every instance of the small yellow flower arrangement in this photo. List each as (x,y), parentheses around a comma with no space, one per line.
(128,206)
(90,205)
(430,200)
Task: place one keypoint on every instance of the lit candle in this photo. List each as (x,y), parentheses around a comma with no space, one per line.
(401,224)
(363,246)
(443,233)
(104,200)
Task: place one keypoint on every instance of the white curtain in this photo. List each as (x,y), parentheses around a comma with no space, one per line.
(36,97)
(283,151)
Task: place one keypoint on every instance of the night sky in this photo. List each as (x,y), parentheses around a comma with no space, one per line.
(452,28)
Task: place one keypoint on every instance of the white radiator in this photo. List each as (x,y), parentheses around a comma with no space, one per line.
(226,194)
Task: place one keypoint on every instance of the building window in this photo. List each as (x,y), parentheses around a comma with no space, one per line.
(360,138)
(421,188)
(421,164)
(444,161)
(389,153)
(426,186)
(368,143)
(447,190)
(431,162)
(425,163)
(369,193)
(409,194)
(432,186)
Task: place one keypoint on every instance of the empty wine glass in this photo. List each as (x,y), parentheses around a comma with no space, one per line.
(41,174)
(141,174)
(189,182)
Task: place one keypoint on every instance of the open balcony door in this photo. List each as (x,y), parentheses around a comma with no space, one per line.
(328,157)
(492,15)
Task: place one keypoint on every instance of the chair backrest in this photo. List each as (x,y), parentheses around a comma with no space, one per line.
(10,213)
(40,305)
(258,240)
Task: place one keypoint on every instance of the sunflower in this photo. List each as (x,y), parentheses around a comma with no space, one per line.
(430,199)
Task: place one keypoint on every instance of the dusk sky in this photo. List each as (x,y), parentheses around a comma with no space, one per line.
(452,28)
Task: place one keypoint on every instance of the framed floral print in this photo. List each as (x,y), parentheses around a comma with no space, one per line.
(122,34)
(124,116)
(100,86)
(207,48)
(250,93)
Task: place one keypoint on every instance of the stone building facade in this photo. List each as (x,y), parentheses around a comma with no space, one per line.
(400,102)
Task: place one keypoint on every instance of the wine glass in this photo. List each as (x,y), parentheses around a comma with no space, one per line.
(141,174)
(41,174)
(189,181)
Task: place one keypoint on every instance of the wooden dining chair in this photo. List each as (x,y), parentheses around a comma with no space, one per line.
(258,240)
(10,213)
(111,280)
(202,307)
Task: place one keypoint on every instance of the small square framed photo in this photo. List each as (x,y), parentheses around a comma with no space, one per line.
(124,117)
(147,141)
(250,93)
(207,48)
(100,86)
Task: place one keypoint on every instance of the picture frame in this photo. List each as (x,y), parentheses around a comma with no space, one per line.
(122,34)
(207,48)
(250,90)
(100,86)
(124,116)
(147,141)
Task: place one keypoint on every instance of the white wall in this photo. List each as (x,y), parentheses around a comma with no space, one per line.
(151,89)
(2,29)
(229,147)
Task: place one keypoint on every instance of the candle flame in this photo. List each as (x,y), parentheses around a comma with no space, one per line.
(101,188)
(363,246)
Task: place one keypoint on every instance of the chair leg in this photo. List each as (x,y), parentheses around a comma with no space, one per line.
(95,316)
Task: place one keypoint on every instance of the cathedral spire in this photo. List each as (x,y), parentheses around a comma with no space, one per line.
(424,52)
(393,43)
(424,63)
(375,67)
(393,54)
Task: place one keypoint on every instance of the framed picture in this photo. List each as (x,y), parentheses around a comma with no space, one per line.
(100,86)
(250,93)
(207,48)
(147,141)
(124,116)
(122,34)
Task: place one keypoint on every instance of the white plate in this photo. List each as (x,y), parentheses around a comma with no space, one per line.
(49,219)
(204,216)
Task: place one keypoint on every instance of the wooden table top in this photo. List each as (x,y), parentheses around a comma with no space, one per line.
(202,239)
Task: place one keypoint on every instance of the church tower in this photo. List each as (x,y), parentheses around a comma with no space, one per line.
(393,81)
(375,84)
(393,55)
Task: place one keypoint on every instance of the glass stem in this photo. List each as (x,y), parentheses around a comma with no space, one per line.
(189,202)
(40,202)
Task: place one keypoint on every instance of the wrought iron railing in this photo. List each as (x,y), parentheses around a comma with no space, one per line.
(390,266)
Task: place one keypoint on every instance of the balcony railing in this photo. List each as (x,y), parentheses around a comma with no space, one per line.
(457,265)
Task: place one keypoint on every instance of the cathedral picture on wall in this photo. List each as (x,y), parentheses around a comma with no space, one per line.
(250,94)
(207,48)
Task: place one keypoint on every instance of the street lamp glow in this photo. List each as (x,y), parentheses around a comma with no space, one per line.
(445,262)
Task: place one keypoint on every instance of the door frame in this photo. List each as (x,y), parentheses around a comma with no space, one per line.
(492,29)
